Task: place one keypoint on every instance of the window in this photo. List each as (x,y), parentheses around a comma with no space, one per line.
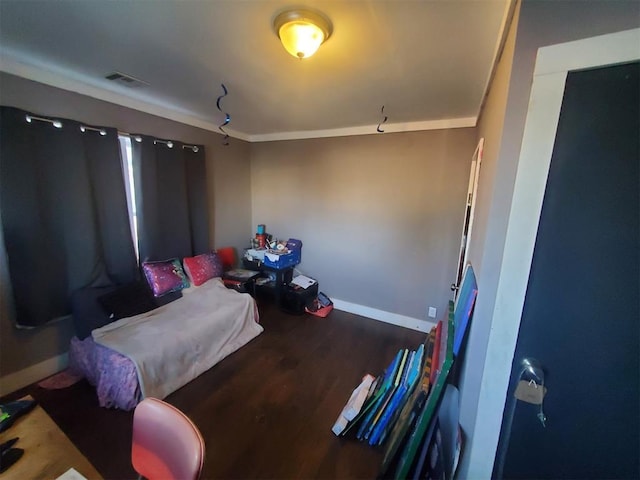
(127,170)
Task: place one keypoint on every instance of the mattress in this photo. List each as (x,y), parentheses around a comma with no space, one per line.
(155,353)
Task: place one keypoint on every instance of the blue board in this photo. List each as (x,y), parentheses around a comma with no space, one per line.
(464,306)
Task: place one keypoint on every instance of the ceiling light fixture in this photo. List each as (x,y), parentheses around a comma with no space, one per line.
(302,31)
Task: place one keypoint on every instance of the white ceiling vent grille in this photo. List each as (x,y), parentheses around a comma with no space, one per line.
(126,80)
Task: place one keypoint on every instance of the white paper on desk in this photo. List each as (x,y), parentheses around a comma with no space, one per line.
(71,474)
(303,281)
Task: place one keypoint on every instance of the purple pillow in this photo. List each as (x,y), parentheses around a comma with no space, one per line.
(165,277)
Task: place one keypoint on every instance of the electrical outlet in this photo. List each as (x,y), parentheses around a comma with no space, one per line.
(432,312)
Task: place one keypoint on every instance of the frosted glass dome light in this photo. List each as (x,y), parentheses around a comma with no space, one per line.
(302,31)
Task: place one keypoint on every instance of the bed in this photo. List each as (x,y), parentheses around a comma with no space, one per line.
(152,354)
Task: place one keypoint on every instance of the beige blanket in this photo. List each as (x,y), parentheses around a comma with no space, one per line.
(173,344)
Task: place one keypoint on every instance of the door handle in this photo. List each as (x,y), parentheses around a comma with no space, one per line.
(531,387)
(533,368)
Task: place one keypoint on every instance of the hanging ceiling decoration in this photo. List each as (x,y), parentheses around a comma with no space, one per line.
(227,117)
(384,120)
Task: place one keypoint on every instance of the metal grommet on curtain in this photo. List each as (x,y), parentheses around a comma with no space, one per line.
(101,131)
(168,143)
(31,118)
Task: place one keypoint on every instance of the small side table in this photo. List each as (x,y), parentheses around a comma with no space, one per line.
(283,277)
(240,279)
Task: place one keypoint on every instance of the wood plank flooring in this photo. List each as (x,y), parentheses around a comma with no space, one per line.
(266,411)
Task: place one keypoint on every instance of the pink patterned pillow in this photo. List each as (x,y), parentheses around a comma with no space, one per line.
(203,267)
(165,277)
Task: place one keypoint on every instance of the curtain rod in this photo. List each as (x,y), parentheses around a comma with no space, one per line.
(103,132)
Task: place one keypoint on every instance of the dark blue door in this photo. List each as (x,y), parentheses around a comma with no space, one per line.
(581,316)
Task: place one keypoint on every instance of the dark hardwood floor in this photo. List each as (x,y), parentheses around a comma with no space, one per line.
(266,411)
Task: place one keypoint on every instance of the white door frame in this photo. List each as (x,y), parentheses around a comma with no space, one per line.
(552,65)
(467,223)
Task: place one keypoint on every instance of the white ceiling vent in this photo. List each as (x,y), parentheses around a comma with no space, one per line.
(126,80)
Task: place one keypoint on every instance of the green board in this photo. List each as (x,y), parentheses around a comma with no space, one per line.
(414,442)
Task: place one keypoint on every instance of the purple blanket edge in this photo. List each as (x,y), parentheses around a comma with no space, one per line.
(113,374)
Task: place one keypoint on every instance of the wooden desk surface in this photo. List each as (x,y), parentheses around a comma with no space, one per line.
(48,452)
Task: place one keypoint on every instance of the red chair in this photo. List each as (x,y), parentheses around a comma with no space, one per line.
(228,257)
(166,443)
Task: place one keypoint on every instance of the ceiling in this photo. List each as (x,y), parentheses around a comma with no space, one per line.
(428,62)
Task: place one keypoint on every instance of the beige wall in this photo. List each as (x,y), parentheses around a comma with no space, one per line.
(490,127)
(380,216)
(392,203)
(540,23)
(229,186)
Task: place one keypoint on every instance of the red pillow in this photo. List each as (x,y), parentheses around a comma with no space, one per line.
(202,267)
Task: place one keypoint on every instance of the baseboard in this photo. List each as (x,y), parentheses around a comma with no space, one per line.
(382,316)
(15,381)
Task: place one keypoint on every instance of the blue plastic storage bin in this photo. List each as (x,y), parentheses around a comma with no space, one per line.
(285,260)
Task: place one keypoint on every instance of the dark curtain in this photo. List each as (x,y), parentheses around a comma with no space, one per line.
(171,199)
(64,213)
